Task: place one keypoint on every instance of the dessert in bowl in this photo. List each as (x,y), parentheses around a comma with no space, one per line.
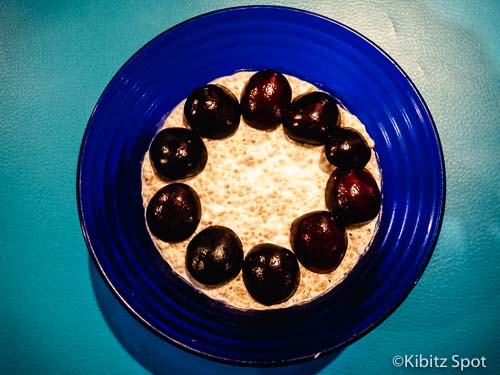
(314,49)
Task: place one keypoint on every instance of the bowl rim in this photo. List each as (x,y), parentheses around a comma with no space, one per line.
(440,212)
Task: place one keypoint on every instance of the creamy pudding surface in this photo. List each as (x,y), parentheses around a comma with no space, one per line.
(256,183)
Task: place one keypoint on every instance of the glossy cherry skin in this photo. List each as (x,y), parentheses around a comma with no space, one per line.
(347,149)
(265,99)
(352,196)
(177,153)
(214,256)
(312,118)
(319,241)
(271,273)
(174,212)
(212,111)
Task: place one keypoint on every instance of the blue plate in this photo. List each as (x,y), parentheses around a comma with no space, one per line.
(341,61)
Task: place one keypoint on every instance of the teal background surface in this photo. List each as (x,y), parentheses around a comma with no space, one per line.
(56,314)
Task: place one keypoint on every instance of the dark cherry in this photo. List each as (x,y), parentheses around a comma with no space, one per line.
(312,118)
(347,149)
(352,196)
(319,241)
(174,212)
(265,99)
(214,256)
(177,153)
(212,111)
(270,273)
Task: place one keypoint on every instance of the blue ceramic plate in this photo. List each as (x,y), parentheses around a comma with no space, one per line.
(341,61)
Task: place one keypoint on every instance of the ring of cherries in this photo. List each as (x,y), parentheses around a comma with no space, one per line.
(318,239)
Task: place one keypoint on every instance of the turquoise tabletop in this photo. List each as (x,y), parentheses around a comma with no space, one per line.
(57,315)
